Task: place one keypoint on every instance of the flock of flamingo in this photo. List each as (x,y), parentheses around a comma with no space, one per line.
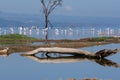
(59,31)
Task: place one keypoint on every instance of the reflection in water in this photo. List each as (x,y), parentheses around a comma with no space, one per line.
(69,59)
(89,79)
(106,62)
(4,55)
(83,79)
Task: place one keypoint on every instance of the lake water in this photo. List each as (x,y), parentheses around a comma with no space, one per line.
(16,67)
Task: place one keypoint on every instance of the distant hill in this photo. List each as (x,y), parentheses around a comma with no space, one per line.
(86,20)
(5,23)
(11,19)
(36,19)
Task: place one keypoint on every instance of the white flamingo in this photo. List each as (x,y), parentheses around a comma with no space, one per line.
(12,30)
(20,30)
(92,29)
(111,31)
(37,31)
(57,31)
(30,31)
(24,30)
(99,32)
(44,31)
(70,31)
(108,31)
(65,31)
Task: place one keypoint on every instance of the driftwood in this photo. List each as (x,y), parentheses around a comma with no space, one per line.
(106,52)
(4,52)
(72,51)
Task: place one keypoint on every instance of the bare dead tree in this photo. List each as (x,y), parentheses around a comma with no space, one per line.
(48,6)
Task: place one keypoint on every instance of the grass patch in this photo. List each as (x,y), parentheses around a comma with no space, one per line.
(15,37)
(101,38)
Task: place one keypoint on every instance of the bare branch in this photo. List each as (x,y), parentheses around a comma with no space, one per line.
(48,6)
(54,5)
(49,3)
(44,6)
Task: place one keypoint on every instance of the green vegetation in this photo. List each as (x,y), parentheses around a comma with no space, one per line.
(14,37)
(101,38)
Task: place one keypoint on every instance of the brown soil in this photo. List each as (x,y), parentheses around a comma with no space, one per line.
(59,43)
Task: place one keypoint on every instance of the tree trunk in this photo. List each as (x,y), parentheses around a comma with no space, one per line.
(46,27)
(46,36)
(46,21)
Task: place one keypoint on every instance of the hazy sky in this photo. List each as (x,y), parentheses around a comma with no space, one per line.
(69,7)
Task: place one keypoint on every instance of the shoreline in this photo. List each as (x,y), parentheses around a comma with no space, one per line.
(85,42)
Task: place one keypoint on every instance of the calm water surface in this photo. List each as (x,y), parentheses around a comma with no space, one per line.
(16,67)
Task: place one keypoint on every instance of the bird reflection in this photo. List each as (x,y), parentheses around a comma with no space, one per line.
(70,59)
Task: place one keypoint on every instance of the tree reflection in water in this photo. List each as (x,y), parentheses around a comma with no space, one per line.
(69,59)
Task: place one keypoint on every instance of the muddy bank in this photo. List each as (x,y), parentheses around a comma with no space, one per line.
(86,42)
